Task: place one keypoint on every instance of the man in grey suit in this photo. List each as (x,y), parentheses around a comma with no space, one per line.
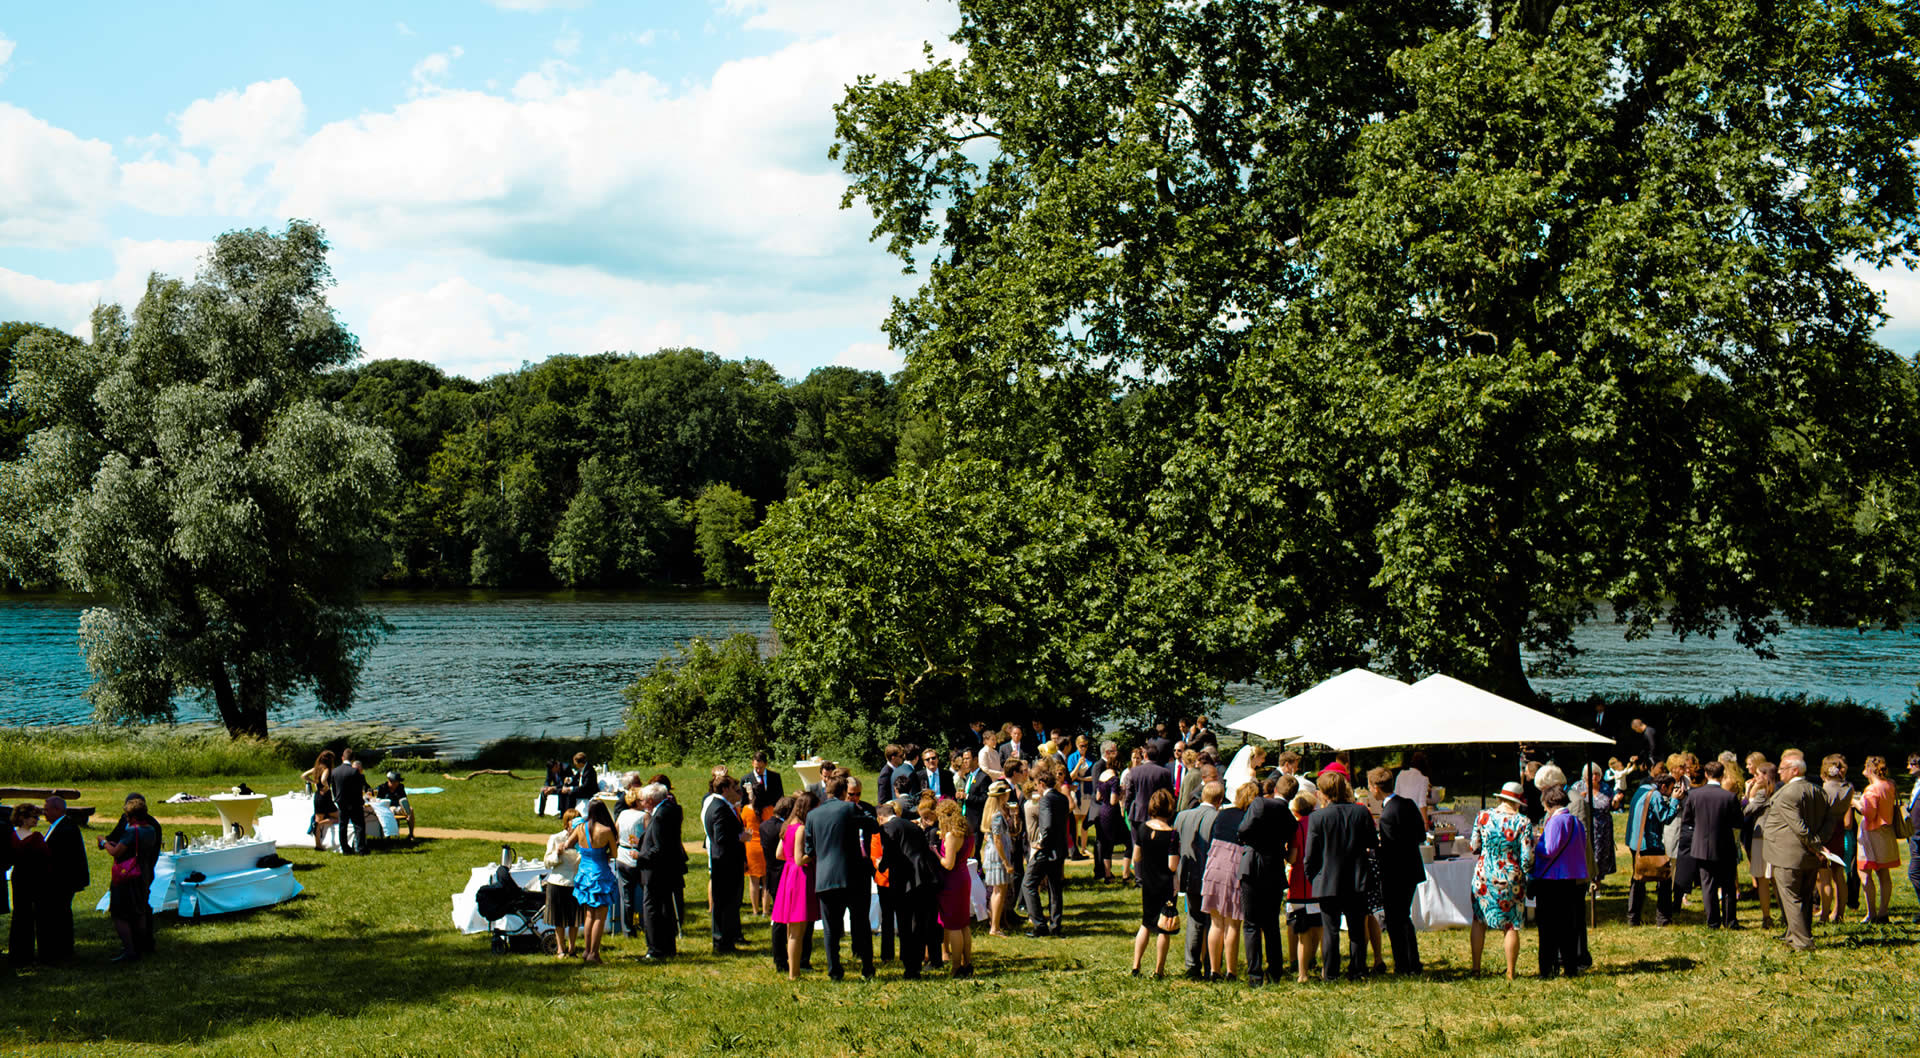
(1048,863)
(1193,829)
(1791,824)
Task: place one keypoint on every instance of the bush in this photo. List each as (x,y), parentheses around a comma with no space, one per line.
(93,752)
(710,703)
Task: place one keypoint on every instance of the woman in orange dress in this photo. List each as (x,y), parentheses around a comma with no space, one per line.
(756,858)
(1879,852)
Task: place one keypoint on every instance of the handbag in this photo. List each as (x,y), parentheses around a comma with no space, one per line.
(1169,918)
(1650,868)
(125,872)
(1902,824)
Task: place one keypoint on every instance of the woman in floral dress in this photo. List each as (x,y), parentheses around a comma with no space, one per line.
(1504,839)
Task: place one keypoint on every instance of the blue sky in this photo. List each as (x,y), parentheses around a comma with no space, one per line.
(502,180)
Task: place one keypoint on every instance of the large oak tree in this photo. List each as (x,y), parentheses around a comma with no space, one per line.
(1411,332)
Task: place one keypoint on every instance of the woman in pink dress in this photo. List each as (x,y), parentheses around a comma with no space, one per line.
(796,904)
(1878,852)
(956,893)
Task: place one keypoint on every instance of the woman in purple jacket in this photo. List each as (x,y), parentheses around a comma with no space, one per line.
(1559,876)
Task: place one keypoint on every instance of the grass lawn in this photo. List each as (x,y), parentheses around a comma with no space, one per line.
(366,962)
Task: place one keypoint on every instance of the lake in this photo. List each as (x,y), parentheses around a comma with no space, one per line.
(475,666)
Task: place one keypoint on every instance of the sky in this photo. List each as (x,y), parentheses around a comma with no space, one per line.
(502,180)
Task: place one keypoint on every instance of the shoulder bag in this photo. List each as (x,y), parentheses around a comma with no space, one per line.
(1902,822)
(1649,868)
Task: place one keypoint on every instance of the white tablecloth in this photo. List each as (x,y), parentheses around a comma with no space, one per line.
(289,825)
(466,918)
(1445,899)
(164,895)
(260,887)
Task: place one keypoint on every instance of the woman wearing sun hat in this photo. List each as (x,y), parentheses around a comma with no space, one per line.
(1503,837)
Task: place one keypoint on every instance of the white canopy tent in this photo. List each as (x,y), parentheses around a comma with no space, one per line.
(1353,691)
(1436,711)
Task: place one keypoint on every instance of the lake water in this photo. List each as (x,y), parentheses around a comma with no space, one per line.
(475,666)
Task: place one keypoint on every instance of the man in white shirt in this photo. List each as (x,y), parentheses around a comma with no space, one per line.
(1412,783)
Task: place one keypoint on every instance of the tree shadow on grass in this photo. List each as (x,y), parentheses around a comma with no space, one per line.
(206,983)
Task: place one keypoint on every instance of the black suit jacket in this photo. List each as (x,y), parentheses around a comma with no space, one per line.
(721,826)
(1338,837)
(764,795)
(947,787)
(1266,830)
(973,804)
(1715,816)
(660,849)
(1402,832)
(836,836)
(907,857)
(66,858)
(349,788)
(1146,778)
(1053,817)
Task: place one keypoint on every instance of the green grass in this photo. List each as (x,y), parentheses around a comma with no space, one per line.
(366,962)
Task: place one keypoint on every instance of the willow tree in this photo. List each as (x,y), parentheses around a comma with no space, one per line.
(1437,324)
(225,522)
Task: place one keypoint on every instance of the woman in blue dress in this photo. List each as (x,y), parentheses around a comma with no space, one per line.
(593,882)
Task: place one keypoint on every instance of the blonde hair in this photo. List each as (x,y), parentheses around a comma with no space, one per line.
(948,819)
(1875,766)
(1244,796)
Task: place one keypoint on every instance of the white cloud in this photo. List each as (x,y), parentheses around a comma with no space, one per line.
(567,43)
(403,29)
(53,184)
(69,306)
(870,356)
(430,71)
(221,142)
(453,323)
(6,53)
(933,20)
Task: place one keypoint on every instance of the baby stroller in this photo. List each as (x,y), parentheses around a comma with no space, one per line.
(518,917)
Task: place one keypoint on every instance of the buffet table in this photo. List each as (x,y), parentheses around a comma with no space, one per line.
(290,826)
(1445,899)
(232,880)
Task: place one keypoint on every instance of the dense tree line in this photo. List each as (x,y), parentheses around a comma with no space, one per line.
(593,471)
(608,470)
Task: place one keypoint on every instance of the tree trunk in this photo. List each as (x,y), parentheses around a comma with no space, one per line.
(241,715)
(1507,674)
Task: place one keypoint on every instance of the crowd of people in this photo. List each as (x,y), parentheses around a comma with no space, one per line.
(1262,865)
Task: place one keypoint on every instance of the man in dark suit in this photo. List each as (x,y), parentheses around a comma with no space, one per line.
(1266,831)
(350,797)
(763,784)
(726,861)
(1016,748)
(1202,736)
(933,776)
(1193,829)
(1338,839)
(581,783)
(818,789)
(1713,814)
(970,781)
(1149,777)
(892,757)
(835,842)
(66,874)
(1047,858)
(1402,869)
(663,869)
(913,873)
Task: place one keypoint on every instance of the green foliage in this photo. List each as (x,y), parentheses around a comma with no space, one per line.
(721,516)
(613,527)
(15,425)
(846,427)
(706,703)
(1404,333)
(225,519)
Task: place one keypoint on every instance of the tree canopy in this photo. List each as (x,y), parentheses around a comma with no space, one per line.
(223,518)
(1411,333)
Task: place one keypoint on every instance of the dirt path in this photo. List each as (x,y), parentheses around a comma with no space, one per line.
(444,834)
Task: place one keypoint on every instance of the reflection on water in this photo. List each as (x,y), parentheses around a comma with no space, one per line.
(474,666)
